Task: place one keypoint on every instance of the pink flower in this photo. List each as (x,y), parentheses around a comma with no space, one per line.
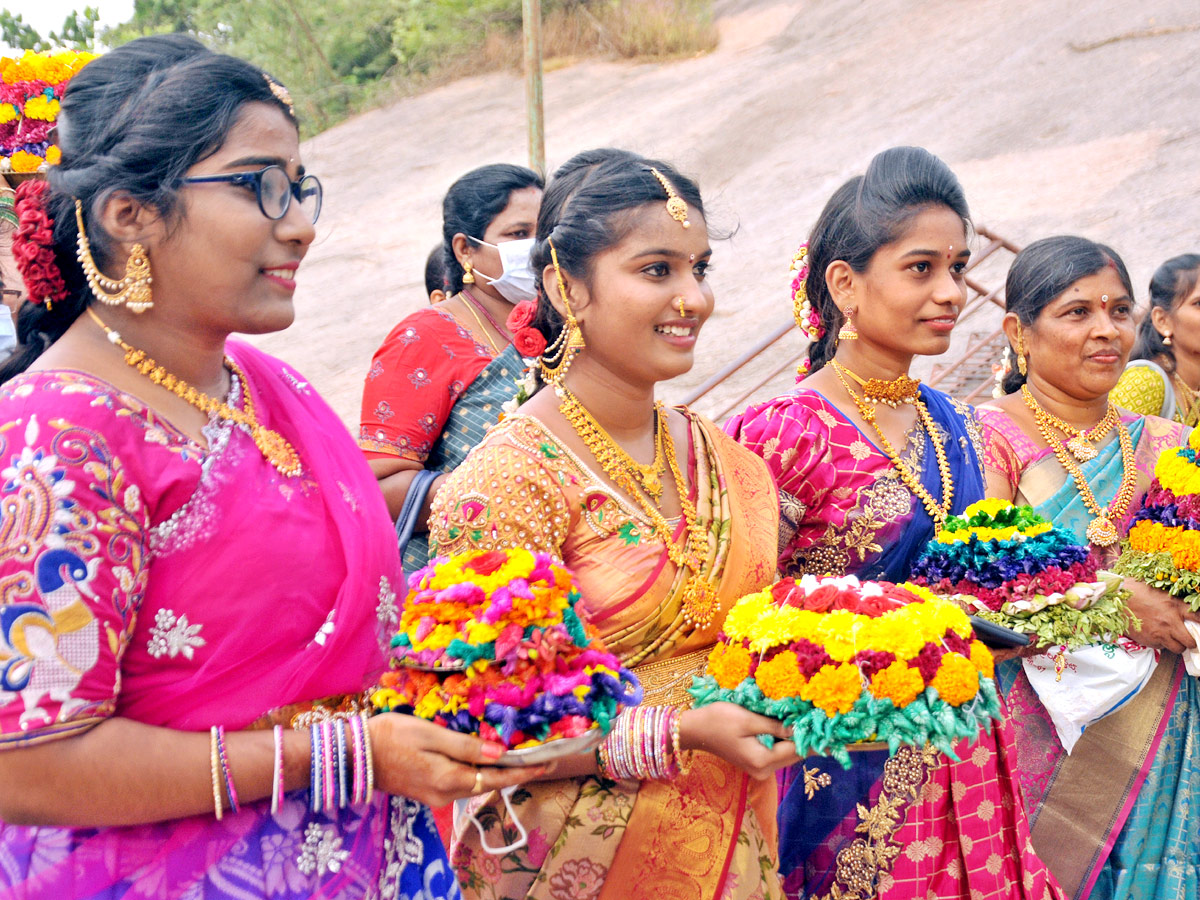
(538,848)
(578,879)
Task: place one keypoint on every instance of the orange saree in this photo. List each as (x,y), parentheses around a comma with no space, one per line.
(709,833)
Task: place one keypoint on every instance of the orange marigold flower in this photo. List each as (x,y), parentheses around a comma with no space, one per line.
(899,682)
(982,659)
(729,664)
(835,689)
(957,680)
(780,676)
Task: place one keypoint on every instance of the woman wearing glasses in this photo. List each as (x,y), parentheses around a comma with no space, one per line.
(193,554)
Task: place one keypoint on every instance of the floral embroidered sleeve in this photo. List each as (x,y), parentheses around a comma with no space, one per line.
(73,538)
(416,376)
(502,496)
(791,434)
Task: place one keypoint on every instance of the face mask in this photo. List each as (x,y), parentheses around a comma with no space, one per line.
(518,282)
(8,331)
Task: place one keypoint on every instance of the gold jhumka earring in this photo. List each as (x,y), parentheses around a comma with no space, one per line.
(556,358)
(132,291)
(468,275)
(1022,364)
(848,332)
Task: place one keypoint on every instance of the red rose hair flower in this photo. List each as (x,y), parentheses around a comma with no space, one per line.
(33,245)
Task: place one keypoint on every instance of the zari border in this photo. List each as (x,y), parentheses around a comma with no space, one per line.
(863,860)
(1094,788)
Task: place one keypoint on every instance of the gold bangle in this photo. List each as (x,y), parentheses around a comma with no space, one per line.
(218,804)
(682,763)
(370,757)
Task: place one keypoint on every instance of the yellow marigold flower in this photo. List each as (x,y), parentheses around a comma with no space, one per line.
(842,634)
(25,162)
(834,689)
(8,112)
(957,679)
(482,632)
(42,107)
(741,621)
(919,590)
(53,155)
(729,664)
(899,682)
(992,506)
(780,676)
(981,658)
(428,706)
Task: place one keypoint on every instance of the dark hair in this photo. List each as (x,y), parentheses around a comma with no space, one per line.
(1043,271)
(864,214)
(435,271)
(582,213)
(472,204)
(134,120)
(1171,284)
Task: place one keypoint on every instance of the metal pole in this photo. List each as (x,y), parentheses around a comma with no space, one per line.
(531,14)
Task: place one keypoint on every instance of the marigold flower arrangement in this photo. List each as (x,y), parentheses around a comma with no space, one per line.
(1163,546)
(31,88)
(1011,566)
(844,662)
(491,644)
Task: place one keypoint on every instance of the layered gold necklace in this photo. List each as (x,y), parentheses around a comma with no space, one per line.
(1102,530)
(1081,442)
(893,393)
(700,602)
(273,446)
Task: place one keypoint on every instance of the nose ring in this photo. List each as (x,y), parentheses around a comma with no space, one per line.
(682,309)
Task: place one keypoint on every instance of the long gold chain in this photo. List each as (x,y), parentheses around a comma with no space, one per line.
(277,451)
(700,600)
(937,512)
(1102,530)
(1080,440)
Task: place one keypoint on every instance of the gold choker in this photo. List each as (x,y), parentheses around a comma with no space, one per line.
(893,393)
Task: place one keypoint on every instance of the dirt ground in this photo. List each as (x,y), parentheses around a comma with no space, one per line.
(1058,115)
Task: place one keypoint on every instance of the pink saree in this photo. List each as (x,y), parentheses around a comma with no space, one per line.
(144,576)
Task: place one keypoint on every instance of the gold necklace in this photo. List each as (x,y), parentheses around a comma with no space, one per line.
(1080,441)
(483,331)
(612,456)
(893,393)
(277,451)
(937,512)
(1102,530)
(699,600)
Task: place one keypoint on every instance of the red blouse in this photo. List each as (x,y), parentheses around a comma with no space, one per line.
(416,377)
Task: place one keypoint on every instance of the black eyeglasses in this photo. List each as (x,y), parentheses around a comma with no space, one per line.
(274,190)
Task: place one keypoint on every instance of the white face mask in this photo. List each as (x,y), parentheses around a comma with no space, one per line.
(8,331)
(517,283)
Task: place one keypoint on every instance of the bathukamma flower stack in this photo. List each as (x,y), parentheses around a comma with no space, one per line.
(491,644)
(1163,546)
(31,88)
(1009,565)
(844,662)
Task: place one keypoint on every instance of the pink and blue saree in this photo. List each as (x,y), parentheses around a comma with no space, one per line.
(145,576)
(917,824)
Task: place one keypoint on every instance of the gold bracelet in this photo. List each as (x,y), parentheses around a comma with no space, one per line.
(218,804)
(682,763)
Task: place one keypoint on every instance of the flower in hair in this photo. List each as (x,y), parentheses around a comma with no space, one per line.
(808,319)
(33,245)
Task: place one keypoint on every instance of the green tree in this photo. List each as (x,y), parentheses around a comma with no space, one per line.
(16,32)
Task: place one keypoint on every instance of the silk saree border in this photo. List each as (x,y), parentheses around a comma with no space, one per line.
(1092,791)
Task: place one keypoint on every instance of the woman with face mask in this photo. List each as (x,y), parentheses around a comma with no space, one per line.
(442,375)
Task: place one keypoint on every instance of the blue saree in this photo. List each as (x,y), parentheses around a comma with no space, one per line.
(1116,819)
